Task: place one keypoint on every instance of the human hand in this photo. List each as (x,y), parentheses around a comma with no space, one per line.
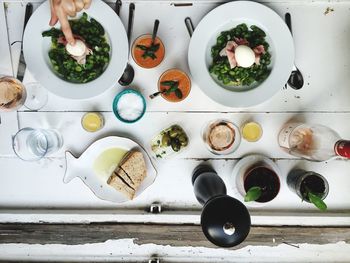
(61,9)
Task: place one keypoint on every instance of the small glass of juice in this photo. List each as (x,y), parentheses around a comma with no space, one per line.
(92,121)
(251,131)
(147,54)
(175,85)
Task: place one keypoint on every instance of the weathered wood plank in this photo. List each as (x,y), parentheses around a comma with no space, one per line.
(174,235)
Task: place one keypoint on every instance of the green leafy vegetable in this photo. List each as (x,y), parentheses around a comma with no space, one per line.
(149,51)
(173,87)
(94,36)
(317,201)
(239,76)
(253,194)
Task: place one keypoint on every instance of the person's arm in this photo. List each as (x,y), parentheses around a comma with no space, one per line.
(61,9)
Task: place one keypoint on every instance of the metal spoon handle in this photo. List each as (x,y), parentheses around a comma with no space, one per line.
(118,5)
(288,20)
(130,20)
(155,30)
(152,96)
(29,11)
(189,26)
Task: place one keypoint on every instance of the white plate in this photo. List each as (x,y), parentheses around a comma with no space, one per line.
(36,47)
(82,167)
(224,18)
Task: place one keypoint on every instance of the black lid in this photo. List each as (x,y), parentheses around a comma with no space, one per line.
(225,221)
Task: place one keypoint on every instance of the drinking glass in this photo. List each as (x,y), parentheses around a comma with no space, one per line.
(13,94)
(33,144)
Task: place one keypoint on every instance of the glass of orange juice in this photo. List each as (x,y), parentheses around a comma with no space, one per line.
(148,54)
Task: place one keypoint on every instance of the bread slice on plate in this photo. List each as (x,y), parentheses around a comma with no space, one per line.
(135,167)
(119,184)
(130,173)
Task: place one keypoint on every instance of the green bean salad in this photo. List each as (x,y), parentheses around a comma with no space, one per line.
(238,76)
(92,34)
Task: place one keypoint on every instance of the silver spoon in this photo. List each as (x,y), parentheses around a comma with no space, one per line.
(129,72)
(152,96)
(296,80)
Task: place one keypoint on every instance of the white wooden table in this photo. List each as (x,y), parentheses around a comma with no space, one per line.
(34,191)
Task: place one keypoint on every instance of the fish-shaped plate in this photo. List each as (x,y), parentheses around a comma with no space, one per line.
(83,167)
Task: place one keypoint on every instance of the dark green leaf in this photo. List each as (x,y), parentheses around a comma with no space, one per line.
(170,83)
(142,47)
(53,32)
(171,89)
(253,194)
(178,93)
(154,47)
(317,201)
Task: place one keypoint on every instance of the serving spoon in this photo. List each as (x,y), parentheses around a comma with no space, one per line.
(129,72)
(296,80)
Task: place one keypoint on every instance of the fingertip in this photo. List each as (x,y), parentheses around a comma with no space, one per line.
(53,21)
(71,41)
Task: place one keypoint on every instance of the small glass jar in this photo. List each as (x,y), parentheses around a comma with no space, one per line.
(251,131)
(92,121)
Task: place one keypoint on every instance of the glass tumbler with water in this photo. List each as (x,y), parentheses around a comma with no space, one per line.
(33,144)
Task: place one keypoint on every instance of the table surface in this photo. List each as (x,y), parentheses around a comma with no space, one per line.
(322,54)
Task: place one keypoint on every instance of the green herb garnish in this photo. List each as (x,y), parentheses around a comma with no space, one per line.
(173,87)
(317,201)
(314,198)
(149,52)
(253,194)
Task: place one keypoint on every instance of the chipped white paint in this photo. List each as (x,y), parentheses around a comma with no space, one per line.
(126,250)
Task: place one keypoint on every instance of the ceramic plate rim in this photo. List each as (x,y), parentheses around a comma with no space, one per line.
(237,12)
(34,46)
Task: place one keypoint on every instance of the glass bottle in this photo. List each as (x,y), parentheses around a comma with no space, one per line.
(312,141)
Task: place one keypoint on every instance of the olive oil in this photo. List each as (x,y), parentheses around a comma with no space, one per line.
(107,161)
(92,121)
(251,131)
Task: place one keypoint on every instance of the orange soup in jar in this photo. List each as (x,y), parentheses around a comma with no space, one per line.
(175,85)
(146,54)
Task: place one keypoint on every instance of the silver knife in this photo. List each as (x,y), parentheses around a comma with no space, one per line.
(22,65)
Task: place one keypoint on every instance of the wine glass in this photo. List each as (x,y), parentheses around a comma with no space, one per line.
(13,94)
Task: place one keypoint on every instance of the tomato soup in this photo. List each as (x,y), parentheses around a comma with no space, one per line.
(138,53)
(183,84)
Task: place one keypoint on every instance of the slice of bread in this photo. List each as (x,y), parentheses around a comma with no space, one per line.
(116,182)
(135,167)
(130,173)
(125,177)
